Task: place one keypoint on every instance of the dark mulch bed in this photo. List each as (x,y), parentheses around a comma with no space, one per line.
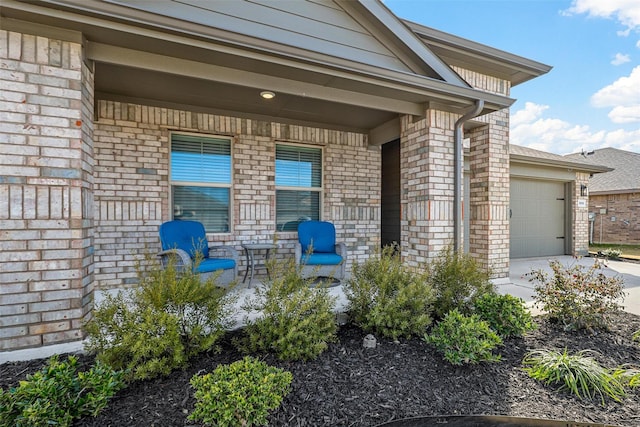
(352,386)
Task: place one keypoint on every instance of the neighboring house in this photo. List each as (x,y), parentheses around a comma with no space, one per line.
(614,197)
(119,115)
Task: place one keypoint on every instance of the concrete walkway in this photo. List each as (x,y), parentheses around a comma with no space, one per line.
(518,284)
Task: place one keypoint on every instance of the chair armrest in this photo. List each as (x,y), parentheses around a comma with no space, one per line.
(297,247)
(182,257)
(341,249)
(229,251)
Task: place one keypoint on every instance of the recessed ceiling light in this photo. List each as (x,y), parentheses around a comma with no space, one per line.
(267,94)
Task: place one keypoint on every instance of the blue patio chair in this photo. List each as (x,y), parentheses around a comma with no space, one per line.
(317,252)
(184,239)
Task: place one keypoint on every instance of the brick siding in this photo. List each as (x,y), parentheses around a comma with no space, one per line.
(132,186)
(620,222)
(46,265)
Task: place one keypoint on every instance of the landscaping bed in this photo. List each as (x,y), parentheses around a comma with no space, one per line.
(348,385)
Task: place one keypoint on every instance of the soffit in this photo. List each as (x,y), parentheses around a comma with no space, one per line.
(470,55)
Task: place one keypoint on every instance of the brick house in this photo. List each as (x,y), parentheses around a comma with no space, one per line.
(102,100)
(614,196)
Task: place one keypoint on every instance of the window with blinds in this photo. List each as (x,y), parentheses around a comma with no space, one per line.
(201,180)
(298,185)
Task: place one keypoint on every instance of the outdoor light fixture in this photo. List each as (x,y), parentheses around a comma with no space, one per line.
(584,191)
(267,94)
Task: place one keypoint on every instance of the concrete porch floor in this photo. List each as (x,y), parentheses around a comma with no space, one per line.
(517,285)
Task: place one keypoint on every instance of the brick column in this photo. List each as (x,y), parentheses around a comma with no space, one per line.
(426,153)
(489,193)
(580,220)
(46,185)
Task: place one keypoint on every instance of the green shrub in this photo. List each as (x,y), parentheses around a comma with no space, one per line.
(239,394)
(505,314)
(387,298)
(297,320)
(458,280)
(578,373)
(158,326)
(464,339)
(58,394)
(612,253)
(636,335)
(628,376)
(576,297)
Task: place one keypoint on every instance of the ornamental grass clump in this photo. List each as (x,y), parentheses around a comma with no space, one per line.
(387,298)
(59,394)
(505,314)
(239,394)
(578,373)
(578,297)
(157,327)
(296,320)
(457,280)
(464,339)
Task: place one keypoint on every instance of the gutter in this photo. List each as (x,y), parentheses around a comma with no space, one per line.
(457,171)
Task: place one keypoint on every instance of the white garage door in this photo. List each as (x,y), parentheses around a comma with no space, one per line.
(537,218)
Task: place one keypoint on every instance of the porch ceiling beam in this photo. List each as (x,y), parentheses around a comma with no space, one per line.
(150,61)
(386,132)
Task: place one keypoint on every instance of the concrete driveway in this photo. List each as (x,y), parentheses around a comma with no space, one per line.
(518,284)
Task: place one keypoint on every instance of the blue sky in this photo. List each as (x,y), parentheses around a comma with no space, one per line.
(591,97)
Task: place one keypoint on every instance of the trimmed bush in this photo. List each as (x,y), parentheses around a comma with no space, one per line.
(297,320)
(576,297)
(578,373)
(464,339)
(387,298)
(239,394)
(458,280)
(158,326)
(505,314)
(58,394)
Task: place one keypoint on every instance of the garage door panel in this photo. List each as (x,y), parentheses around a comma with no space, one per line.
(537,218)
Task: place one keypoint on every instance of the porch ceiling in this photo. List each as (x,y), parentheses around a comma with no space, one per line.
(147,87)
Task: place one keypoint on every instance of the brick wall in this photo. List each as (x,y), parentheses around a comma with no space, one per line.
(489,179)
(132,188)
(620,222)
(426,158)
(46,162)
(580,220)
(489,194)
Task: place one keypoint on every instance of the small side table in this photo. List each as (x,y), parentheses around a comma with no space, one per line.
(250,251)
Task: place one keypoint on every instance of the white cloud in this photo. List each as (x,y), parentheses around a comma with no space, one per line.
(620,59)
(627,12)
(530,129)
(623,95)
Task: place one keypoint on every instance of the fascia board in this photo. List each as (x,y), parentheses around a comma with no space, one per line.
(409,39)
(479,52)
(581,167)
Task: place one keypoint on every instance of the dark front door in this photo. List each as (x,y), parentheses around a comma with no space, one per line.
(390,215)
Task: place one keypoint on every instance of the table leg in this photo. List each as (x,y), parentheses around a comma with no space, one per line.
(249,265)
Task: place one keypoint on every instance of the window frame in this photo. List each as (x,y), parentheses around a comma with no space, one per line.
(228,186)
(319,190)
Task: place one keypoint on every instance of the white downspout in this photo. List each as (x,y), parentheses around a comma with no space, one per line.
(457,171)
